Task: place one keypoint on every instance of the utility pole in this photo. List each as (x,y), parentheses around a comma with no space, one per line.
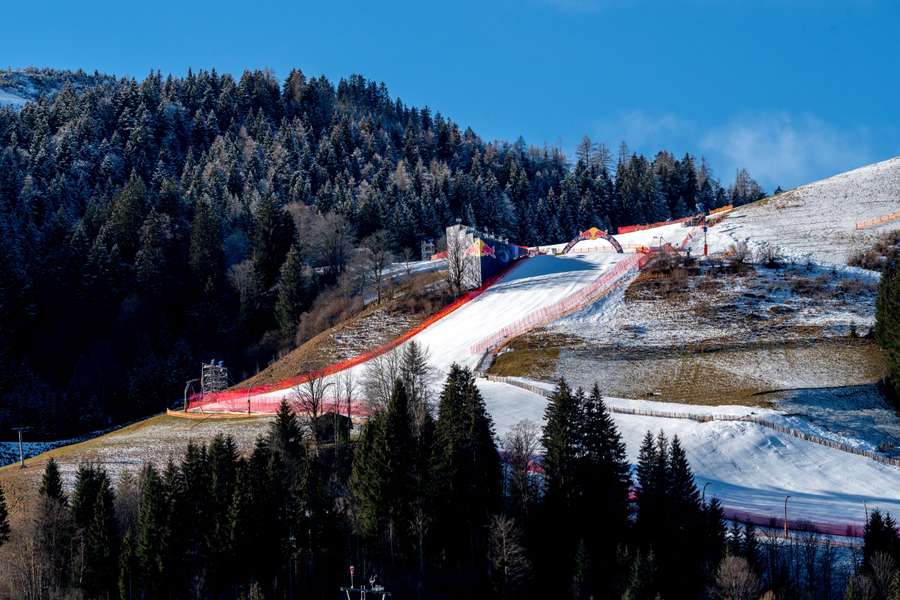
(21,449)
(785,517)
(705,246)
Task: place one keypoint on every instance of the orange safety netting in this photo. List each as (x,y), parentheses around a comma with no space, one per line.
(243,395)
(631,228)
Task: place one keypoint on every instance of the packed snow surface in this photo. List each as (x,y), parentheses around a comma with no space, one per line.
(529,286)
(748,467)
(817,221)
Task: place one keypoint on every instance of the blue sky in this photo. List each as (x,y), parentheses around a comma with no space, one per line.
(794,90)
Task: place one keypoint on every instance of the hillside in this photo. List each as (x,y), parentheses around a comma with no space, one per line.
(819,221)
(198,217)
(18,86)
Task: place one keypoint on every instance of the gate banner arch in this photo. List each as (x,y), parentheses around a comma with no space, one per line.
(592,234)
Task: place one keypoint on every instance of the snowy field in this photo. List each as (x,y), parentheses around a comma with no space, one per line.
(748,467)
(817,221)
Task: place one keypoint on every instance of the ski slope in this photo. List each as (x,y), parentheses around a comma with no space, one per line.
(818,221)
(748,467)
(530,285)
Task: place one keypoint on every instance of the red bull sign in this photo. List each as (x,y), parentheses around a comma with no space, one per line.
(479,248)
(593,233)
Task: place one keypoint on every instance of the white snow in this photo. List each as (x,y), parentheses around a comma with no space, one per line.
(749,468)
(10,99)
(818,220)
(531,285)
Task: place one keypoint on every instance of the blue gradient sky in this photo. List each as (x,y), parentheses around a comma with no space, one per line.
(794,90)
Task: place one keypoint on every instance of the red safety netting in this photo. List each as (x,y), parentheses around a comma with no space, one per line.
(848,530)
(240,396)
(605,283)
(631,228)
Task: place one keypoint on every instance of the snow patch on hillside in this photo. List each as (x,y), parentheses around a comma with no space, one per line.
(748,467)
(817,221)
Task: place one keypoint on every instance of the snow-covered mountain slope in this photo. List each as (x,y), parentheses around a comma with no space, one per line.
(818,220)
(749,468)
(19,86)
(10,99)
(531,285)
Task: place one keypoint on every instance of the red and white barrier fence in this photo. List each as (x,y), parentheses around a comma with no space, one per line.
(621,273)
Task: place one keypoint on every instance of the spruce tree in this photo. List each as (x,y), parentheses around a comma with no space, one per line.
(51,483)
(466,470)
(54,526)
(292,298)
(273,232)
(100,539)
(604,480)
(150,534)
(560,441)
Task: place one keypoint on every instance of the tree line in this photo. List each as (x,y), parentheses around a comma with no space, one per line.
(148,225)
(430,505)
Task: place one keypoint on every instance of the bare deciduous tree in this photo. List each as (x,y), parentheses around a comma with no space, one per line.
(309,396)
(521,445)
(459,266)
(883,571)
(378,381)
(735,580)
(408,255)
(378,257)
(345,389)
(508,559)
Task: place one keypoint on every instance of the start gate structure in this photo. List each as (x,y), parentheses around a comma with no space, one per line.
(593,233)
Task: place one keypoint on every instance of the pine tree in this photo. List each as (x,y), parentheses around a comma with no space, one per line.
(560,441)
(604,480)
(273,232)
(292,298)
(466,469)
(100,570)
(206,256)
(150,534)
(51,483)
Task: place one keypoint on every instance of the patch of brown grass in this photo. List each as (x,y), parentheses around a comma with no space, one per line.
(886,247)
(538,363)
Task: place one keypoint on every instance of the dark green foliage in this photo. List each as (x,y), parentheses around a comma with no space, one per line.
(466,473)
(293,294)
(686,536)
(93,512)
(887,324)
(881,535)
(51,483)
(560,441)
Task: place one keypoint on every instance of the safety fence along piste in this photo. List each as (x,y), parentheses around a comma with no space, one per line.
(623,272)
(766,521)
(238,400)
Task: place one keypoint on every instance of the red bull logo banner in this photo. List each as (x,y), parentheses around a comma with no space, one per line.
(479,248)
(593,233)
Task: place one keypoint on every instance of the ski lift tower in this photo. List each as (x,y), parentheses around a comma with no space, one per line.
(213,377)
